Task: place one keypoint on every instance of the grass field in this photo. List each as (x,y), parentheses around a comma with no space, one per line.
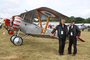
(34,48)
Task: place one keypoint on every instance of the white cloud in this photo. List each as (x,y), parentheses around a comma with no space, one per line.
(6,15)
(75,8)
(86,13)
(8,8)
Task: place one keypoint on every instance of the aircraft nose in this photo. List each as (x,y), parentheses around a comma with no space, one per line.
(16,23)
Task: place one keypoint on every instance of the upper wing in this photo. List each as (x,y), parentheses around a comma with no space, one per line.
(44,13)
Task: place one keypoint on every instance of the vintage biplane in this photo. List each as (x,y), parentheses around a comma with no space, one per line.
(25,23)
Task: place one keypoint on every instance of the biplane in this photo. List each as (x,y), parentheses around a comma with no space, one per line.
(25,23)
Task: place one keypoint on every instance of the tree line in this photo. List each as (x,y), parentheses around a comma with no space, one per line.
(78,20)
(75,19)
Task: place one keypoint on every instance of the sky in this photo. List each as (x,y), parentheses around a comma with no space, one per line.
(77,8)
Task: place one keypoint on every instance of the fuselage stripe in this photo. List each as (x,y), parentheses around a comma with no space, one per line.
(17,21)
(16,25)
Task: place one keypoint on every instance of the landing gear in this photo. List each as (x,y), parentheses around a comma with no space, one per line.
(12,38)
(17,40)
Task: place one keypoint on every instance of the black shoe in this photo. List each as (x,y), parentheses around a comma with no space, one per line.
(73,54)
(68,53)
(61,54)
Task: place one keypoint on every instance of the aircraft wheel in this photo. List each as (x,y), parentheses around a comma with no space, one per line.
(12,37)
(17,41)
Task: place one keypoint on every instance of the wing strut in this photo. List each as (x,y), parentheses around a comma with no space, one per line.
(40,22)
(46,25)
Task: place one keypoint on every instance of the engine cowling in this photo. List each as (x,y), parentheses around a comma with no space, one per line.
(16,23)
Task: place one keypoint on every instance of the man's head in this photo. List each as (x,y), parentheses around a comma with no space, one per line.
(63,21)
(72,22)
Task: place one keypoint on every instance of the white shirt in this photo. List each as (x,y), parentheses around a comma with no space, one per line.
(71,26)
(63,26)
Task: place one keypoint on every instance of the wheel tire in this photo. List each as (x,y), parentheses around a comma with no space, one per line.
(17,41)
(12,38)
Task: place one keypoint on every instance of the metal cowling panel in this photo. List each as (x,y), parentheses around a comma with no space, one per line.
(16,23)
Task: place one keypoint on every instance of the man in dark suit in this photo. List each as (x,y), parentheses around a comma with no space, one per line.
(74,32)
(62,33)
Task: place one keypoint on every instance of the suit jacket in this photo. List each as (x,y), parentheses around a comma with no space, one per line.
(59,28)
(76,30)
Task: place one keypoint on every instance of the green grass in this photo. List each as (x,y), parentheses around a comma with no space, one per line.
(41,48)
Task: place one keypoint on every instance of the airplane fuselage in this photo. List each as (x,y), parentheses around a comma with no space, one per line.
(35,30)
